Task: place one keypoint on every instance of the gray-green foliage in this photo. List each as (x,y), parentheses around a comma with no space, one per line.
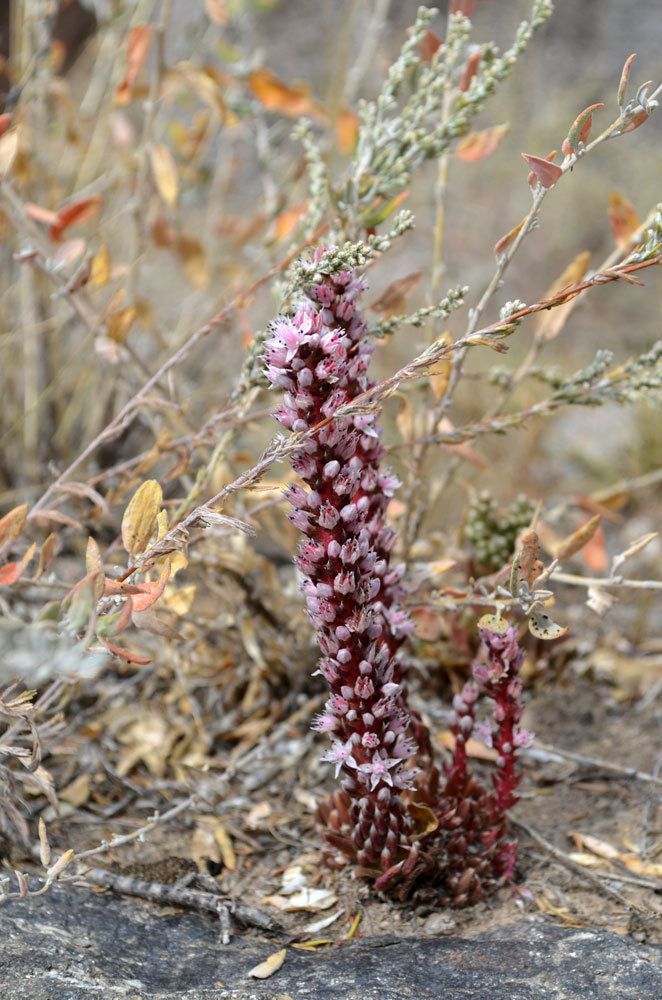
(492,533)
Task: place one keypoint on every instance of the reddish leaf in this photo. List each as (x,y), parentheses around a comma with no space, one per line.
(150,592)
(11,572)
(635,120)
(625,75)
(543,170)
(5,122)
(75,214)
(594,553)
(623,218)
(139,40)
(580,129)
(124,653)
(477,145)
(470,70)
(428,45)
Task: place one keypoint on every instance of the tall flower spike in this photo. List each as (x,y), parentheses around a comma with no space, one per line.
(441,836)
(320,356)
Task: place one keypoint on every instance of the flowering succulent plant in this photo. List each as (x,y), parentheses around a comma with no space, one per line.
(395,814)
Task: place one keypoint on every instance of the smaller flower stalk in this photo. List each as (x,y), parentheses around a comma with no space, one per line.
(409,827)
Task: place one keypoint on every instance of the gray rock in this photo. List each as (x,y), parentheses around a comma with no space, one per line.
(71,944)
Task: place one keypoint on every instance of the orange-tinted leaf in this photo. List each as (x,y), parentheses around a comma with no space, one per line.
(428,45)
(11,572)
(623,218)
(217,11)
(11,525)
(39,214)
(124,653)
(5,121)
(548,324)
(594,553)
(150,592)
(293,100)
(577,540)
(75,214)
(506,240)
(286,221)
(164,170)
(347,130)
(470,70)
(394,299)
(138,42)
(544,171)
(625,75)
(477,145)
(119,323)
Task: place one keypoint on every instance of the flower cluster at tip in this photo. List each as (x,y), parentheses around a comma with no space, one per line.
(319,357)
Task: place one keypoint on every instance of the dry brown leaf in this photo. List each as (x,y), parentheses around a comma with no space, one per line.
(440,371)
(425,820)
(11,525)
(632,550)
(428,623)
(8,150)
(203,846)
(46,553)
(100,267)
(577,540)
(194,260)
(394,299)
(595,845)
(549,323)
(139,520)
(269,966)
(164,170)
(475,748)
(226,847)
(78,791)
(119,323)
